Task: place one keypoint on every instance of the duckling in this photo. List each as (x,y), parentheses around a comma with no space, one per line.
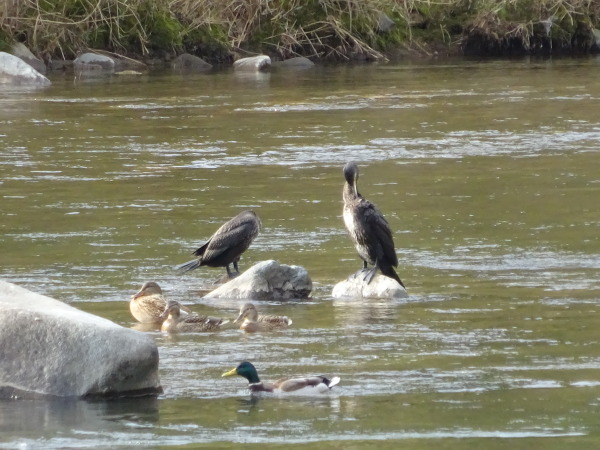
(148,303)
(173,321)
(248,371)
(253,322)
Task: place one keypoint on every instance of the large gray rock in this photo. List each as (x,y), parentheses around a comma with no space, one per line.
(190,63)
(93,62)
(14,70)
(267,280)
(253,63)
(50,348)
(20,50)
(379,287)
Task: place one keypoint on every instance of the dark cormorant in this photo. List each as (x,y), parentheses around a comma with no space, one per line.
(368,229)
(227,244)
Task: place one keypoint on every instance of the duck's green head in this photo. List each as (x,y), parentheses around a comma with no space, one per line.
(246,370)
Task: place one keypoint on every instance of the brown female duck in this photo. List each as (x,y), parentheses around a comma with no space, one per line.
(175,322)
(252,321)
(148,303)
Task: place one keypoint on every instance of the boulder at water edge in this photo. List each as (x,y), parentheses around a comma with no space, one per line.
(379,287)
(20,50)
(298,62)
(93,62)
(14,70)
(49,348)
(267,280)
(253,63)
(190,63)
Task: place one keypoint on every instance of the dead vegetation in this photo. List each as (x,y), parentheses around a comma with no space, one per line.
(335,29)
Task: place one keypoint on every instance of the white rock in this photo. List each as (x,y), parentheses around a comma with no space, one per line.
(379,287)
(14,70)
(254,63)
(267,280)
(51,348)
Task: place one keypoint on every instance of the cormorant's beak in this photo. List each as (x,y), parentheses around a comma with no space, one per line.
(355,184)
(137,295)
(238,319)
(231,373)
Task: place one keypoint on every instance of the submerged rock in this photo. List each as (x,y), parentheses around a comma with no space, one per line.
(253,63)
(190,63)
(14,70)
(49,348)
(380,287)
(267,280)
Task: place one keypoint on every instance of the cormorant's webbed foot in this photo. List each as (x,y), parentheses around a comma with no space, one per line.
(369,274)
(365,274)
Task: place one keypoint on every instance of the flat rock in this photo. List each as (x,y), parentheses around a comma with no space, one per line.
(253,63)
(15,71)
(299,62)
(379,287)
(267,280)
(20,50)
(94,62)
(49,348)
(190,63)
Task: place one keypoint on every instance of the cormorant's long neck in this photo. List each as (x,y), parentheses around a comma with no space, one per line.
(350,193)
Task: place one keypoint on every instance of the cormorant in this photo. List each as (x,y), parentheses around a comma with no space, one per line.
(227,244)
(368,229)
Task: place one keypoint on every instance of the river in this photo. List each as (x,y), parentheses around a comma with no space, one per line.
(487,171)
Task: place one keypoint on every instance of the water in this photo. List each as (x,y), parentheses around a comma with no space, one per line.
(488,173)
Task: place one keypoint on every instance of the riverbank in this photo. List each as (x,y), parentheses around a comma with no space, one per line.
(320,30)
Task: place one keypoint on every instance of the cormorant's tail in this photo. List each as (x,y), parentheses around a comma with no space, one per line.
(190,265)
(389,271)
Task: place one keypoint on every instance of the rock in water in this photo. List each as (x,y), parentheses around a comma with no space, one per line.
(49,348)
(190,63)
(253,63)
(93,62)
(267,280)
(14,70)
(20,50)
(380,287)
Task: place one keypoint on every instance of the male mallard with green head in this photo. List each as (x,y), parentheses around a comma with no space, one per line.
(291,384)
(252,321)
(174,322)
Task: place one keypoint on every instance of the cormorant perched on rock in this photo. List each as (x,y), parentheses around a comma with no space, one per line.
(368,229)
(227,244)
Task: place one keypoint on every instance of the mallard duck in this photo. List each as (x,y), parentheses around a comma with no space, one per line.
(173,322)
(252,322)
(368,229)
(290,384)
(148,304)
(227,244)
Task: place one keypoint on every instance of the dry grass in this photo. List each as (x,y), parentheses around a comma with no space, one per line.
(63,28)
(339,29)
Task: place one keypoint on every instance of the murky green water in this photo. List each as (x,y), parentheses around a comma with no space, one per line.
(488,172)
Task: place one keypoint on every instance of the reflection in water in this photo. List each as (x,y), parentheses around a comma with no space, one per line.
(28,421)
